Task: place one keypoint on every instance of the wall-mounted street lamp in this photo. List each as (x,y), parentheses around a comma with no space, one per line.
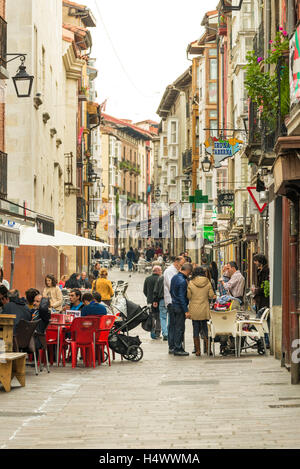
(22,81)
(206,164)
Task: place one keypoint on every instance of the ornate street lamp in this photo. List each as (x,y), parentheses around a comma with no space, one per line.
(22,81)
(206,164)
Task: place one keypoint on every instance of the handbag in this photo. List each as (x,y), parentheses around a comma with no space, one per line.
(147,323)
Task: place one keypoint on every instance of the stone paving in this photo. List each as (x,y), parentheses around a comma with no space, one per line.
(162,402)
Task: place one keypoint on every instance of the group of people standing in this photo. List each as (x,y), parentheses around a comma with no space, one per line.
(185,291)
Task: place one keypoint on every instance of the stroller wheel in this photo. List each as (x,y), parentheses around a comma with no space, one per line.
(134,353)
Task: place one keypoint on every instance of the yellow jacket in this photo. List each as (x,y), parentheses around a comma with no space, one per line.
(104,287)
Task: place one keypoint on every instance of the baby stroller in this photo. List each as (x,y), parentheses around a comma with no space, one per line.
(125,345)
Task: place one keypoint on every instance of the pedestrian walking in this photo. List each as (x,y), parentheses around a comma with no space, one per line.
(179,310)
(158,294)
(149,286)
(261,290)
(199,293)
(122,259)
(130,259)
(169,273)
(103,286)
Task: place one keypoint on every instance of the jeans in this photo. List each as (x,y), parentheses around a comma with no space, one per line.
(122,262)
(156,327)
(200,328)
(163,318)
(130,265)
(176,328)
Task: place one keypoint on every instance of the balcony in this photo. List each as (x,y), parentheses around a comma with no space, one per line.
(3,174)
(81,209)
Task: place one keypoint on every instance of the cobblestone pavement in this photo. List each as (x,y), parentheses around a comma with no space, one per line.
(161,402)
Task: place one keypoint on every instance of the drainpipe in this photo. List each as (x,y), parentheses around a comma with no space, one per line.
(12,265)
(291,17)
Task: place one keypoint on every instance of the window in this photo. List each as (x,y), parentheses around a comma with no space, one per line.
(213,125)
(212,93)
(165,146)
(209,206)
(212,52)
(213,69)
(173,132)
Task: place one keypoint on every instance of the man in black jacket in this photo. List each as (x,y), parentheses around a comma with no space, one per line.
(149,286)
(12,304)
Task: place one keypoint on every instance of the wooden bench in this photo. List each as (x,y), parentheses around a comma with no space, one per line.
(12,364)
(6,330)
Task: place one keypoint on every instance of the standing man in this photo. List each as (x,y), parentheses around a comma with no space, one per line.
(84,281)
(150,254)
(169,273)
(261,290)
(130,259)
(235,286)
(180,307)
(149,286)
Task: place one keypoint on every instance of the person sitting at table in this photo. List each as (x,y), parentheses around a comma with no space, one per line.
(30,296)
(98,299)
(41,311)
(53,292)
(12,304)
(62,281)
(84,281)
(103,286)
(73,281)
(75,300)
(91,307)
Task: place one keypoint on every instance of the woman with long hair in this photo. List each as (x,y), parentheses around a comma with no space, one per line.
(199,293)
(73,281)
(53,292)
(214,272)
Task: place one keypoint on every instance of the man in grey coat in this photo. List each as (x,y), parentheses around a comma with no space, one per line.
(149,286)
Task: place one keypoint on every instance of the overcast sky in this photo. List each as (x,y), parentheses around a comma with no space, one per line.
(140,48)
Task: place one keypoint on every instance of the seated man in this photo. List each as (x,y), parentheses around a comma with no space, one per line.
(75,300)
(30,296)
(84,281)
(12,304)
(91,307)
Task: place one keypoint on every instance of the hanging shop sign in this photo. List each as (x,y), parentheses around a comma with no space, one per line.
(225,199)
(208,233)
(295,67)
(221,148)
(198,198)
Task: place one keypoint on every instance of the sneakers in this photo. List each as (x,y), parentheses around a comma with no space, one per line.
(171,351)
(181,353)
(165,337)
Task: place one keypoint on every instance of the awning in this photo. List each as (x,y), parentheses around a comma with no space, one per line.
(9,237)
(226,242)
(30,237)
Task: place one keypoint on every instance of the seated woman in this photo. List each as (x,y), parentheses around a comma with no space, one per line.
(53,292)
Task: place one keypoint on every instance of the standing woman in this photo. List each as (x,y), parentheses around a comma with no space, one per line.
(214,272)
(103,286)
(199,293)
(53,292)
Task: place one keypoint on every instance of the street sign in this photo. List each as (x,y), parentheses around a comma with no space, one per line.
(254,196)
(225,199)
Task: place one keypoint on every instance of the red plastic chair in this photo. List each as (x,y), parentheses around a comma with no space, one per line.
(105,324)
(83,331)
(51,339)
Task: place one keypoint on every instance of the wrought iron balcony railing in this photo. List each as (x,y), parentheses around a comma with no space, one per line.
(3,42)
(3,174)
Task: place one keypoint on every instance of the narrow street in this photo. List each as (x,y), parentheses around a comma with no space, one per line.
(161,402)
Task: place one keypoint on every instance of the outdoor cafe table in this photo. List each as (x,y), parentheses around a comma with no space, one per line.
(64,325)
(6,331)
